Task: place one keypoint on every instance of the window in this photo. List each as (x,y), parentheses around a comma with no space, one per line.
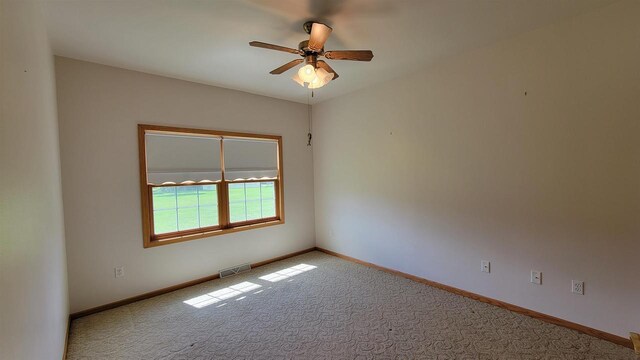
(201,183)
(179,208)
(249,201)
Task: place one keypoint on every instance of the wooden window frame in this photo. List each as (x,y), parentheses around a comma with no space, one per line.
(225,226)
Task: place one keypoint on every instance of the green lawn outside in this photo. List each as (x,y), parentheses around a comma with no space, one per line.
(191,207)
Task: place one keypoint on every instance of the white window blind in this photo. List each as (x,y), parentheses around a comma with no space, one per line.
(250,159)
(182,158)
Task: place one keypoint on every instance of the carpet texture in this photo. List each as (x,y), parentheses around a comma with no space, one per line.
(316,306)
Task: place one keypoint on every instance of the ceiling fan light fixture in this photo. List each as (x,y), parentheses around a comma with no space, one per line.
(316,84)
(320,81)
(298,79)
(318,36)
(314,73)
(307,73)
(324,75)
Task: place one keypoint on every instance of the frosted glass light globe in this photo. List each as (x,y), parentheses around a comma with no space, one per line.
(297,79)
(323,75)
(316,83)
(307,73)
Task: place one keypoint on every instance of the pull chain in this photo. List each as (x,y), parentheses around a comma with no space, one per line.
(309,136)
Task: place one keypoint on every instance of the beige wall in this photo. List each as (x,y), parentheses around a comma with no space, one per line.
(33,276)
(99,108)
(434,172)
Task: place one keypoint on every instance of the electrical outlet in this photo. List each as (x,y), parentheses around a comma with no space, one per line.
(119,271)
(485,266)
(577,287)
(536,277)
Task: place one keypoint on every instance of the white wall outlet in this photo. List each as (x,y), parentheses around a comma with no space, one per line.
(577,287)
(118,271)
(536,277)
(485,266)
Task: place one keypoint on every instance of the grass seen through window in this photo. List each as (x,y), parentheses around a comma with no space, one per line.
(251,201)
(179,208)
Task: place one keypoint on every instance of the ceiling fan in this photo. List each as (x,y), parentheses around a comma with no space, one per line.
(315,73)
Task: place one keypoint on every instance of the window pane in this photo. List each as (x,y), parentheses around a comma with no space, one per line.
(252,201)
(253,191)
(188,218)
(237,206)
(208,195)
(208,216)
(178,208)
(187,208)
(208,204)
(165,221)
(165,217)
(268,191)
(164,198)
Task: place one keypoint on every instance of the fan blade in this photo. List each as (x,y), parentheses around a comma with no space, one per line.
(286,67)
(319,35)
(274,47)
(328,68)
(357,55)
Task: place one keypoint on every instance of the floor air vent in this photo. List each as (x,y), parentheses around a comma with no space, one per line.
(234,270)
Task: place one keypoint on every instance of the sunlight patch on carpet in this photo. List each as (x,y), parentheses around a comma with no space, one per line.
(222,294)
(287,273)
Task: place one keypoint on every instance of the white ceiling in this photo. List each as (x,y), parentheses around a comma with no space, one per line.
(207,41)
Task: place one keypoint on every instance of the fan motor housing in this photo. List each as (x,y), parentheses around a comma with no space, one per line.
(311,59)
(304,47)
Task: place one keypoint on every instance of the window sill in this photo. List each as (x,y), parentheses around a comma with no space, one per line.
(153,243)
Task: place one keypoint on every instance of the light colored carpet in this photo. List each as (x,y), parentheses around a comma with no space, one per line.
(326,309)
